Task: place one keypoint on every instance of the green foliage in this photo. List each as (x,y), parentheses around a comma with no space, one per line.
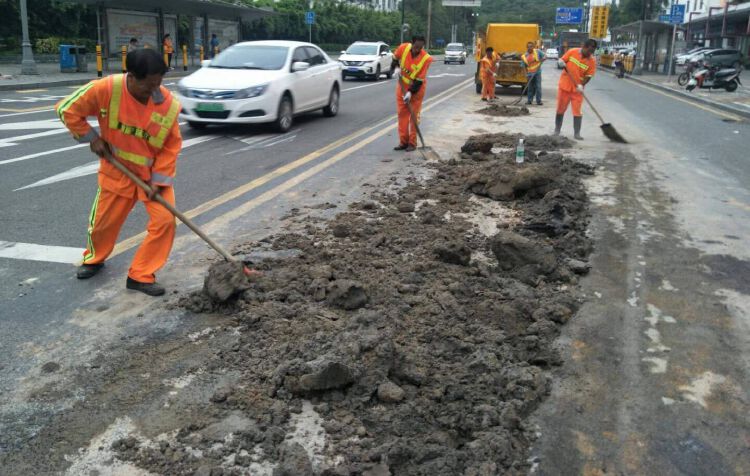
(64,20)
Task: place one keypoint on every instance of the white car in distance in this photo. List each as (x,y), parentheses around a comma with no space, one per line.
(367,60)
(552,53)
(261,81)
(455,53)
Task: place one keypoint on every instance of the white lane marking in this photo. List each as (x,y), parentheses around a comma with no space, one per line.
(32,99)
(379,83)
(11,141)
(27,112)
(700,388)
(263,141)
(40,154)
(26,125)
(33,252)
(92,167)
(442,75)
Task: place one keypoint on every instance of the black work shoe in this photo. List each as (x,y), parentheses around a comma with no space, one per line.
(152,289)
(528,103)
(411,148)
(400,147)
(86,271)
(540,103)
(577,137)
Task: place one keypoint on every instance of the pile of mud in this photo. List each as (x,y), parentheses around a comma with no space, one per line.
(495,109)
(417,328)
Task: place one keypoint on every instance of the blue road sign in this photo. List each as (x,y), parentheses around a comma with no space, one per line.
(310,18)
(665,18)
(677,14)
(568,16)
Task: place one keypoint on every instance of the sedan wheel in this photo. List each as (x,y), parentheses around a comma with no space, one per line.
(333,103)
(285,117)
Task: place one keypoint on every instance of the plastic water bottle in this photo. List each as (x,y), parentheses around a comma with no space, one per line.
(519,152)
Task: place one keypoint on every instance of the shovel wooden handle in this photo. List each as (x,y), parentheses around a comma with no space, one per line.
(187,221)
(601,119)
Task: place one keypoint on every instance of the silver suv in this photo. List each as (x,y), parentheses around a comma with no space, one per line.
(455,53)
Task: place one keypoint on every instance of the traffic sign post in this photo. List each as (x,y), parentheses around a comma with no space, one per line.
(568,16)
(676,17)
(310,19)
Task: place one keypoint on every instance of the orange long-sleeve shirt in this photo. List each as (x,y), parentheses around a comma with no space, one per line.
(578,66)
(94,99)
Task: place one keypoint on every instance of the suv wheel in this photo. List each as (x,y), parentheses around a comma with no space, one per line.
(377,74)
(285,116)
(333,103)
(390,72)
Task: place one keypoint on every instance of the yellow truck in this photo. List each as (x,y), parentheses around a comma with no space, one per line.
(509,41)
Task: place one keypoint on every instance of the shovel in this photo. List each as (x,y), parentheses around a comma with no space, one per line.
(427,152)
(607,128)
(187,221)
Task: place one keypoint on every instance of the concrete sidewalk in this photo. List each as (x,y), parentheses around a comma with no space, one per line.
(50,75)
(737,102)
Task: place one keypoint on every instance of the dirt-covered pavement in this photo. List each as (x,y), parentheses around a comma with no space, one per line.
(472,316)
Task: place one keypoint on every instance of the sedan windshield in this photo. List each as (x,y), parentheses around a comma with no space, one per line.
(251,57)
(362,50)
(455,47)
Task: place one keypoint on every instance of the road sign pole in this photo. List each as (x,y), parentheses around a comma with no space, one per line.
(671,53)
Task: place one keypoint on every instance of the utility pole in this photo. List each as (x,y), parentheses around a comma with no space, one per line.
(28,66)
(639,49)
(403,19)
(429,21)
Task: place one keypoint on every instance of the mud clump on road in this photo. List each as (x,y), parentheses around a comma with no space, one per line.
(504,110)
(225,280)
(415,343)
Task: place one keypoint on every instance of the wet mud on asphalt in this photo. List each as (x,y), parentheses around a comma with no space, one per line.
(511,110)
(412,334)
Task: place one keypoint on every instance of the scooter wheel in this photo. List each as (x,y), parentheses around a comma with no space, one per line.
(683,79)
(731,87)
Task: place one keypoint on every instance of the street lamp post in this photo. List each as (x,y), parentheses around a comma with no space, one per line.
(28,66)
(403,19)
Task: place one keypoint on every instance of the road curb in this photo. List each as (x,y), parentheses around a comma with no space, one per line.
(74,82)
(690,97)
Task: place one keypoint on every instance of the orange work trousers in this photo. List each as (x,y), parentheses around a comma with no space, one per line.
(407,133)
(488,86)
(574,98)
(107,216)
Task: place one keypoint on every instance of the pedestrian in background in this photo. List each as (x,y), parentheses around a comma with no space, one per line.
(532,60)
(168,49)
(214,45)
(133,45)
(488,67)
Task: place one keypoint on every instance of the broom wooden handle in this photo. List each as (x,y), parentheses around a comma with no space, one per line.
(187,221)
(601,119)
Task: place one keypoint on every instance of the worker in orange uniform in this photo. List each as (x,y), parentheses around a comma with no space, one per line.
(413,62)
(138,125)
(168,49)
(488,67)
(580,65)
(532,61)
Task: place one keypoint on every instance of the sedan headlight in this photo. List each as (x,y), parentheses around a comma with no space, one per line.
(183,91)
(255,91)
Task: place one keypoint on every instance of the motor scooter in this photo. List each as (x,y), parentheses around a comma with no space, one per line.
(713,77)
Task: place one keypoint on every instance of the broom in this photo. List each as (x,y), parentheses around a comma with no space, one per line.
(608,129)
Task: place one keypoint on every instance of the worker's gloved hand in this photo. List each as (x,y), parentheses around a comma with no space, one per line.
(561,63)
(100,147)
(154,190)
(407,97)
(397,72)
(579,88)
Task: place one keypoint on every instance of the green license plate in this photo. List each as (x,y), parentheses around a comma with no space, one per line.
(209,106)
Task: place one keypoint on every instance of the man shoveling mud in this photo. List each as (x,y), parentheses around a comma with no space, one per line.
(413,62)
(138,123)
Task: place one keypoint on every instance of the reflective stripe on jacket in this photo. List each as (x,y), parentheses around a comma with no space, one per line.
(533,65)
(413,68)
(146,137)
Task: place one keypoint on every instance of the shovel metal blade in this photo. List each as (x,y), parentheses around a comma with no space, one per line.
(612,134)
(429,154)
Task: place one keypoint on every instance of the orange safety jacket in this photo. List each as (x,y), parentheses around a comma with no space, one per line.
(168,48)
(488,64)
(533,64)
(578,66)
(413,69)
(145,137)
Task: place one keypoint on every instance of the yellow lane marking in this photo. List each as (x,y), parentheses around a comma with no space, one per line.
(30,109)
(691,103)
(22,91)
(135,240)
(738,204)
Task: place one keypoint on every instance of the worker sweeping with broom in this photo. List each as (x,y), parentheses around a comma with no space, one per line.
(413,62)
(579,66)
(138,126)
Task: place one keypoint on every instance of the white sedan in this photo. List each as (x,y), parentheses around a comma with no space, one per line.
(261,81)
